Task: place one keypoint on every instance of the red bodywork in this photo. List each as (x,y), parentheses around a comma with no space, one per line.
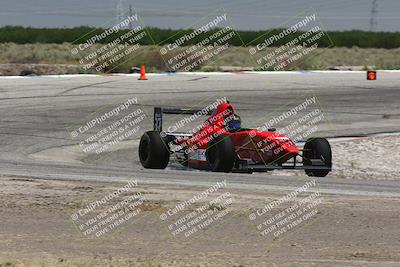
(252,146)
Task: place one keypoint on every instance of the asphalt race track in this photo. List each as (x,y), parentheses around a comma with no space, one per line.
(37,113)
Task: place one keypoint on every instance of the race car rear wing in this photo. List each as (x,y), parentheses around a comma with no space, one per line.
(159,111)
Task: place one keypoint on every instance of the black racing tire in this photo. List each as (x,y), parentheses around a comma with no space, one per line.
(220,153)
(317,148)
(154,152)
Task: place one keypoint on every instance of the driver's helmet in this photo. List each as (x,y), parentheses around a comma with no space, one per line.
(234,123)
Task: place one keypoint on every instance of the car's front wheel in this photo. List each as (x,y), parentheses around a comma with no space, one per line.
(318,153)
(220,153)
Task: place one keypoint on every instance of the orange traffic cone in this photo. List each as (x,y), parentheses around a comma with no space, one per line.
(143,73)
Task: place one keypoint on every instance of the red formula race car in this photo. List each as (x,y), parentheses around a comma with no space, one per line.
(221,145)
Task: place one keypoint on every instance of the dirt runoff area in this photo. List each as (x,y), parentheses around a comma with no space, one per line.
(364,158)
(367,158)
(71,223)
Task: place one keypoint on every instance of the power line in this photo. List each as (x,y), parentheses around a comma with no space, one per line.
(120,12)
(130,15)
(373,22)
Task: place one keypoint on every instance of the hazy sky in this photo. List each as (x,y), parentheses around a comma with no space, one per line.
(252,14)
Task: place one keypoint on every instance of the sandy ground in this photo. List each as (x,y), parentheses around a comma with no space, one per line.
(234,58)
(367,158)
(37,230)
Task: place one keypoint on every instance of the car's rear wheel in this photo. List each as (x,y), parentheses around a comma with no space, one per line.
(220,153)
(153,151)
(317,149)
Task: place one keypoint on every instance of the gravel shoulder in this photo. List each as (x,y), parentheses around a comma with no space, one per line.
(37,230)
(365,158)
